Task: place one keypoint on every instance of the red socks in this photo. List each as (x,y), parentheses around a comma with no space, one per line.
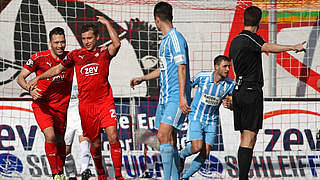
(97,159)
(51,152)
(61,156)
(116,155)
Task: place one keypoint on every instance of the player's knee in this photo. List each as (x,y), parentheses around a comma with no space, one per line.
(50,137)
(195,148)
(163,138)
(113,138)
(248,140)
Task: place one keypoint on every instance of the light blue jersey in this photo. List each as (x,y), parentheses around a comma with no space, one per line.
(208,97)
(173,52)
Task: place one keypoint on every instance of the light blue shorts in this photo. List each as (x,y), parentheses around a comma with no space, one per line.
(171,114)
(201,131)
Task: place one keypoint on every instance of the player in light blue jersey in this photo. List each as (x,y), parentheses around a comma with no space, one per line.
(175,88)
(214,87)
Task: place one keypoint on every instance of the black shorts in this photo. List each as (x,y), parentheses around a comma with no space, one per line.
(248,107)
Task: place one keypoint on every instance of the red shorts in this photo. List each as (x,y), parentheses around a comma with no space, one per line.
(96,117)
(47,117)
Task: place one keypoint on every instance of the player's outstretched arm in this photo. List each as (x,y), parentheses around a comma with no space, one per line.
(21,80)
(138,80)
(183,104)
(276,48)
(48,74)
(114,47)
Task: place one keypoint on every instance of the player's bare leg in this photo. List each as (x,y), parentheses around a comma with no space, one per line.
(116,150)
(196,146)
(248,141)
(169,154)
(51,149)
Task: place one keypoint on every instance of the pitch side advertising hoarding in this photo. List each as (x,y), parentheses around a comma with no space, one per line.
(286,147)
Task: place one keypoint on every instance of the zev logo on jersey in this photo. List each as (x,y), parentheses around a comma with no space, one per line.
(90,69)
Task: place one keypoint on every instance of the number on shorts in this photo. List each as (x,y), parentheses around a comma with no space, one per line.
(113,113)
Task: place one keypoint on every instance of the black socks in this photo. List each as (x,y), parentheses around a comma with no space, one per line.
(244,162)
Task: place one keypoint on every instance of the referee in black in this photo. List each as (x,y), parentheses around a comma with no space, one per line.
(245,52)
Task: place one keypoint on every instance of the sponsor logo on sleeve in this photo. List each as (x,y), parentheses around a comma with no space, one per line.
(30,63)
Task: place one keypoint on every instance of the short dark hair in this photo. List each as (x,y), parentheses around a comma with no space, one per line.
(220,58)
(252,16)
(56,31)
(163,10)
(88,27)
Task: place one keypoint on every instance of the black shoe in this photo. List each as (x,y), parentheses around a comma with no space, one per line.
(86,174)
(181,167)
(184,178)
(72,178)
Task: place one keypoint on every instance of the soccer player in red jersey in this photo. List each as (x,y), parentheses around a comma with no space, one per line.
(50,98)
(96,104)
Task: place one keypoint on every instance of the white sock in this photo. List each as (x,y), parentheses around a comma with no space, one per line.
(70,166)
(84,155)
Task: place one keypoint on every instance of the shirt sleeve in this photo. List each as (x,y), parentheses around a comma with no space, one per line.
(195,80)
(68,60)
(258,42)
(231,88)
(31,64)
(179,48)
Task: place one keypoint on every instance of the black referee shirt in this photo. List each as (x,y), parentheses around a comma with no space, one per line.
(245,52)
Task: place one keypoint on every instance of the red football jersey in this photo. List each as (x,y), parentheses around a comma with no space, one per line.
(56,90)
(92,70)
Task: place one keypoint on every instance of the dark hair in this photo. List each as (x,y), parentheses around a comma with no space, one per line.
(88,27)
(220,58)
(56,31)
(252,16)
(163,10)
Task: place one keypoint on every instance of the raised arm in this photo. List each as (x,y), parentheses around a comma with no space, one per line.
(113,48)
(48,74)
(276,48)
(138,80)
